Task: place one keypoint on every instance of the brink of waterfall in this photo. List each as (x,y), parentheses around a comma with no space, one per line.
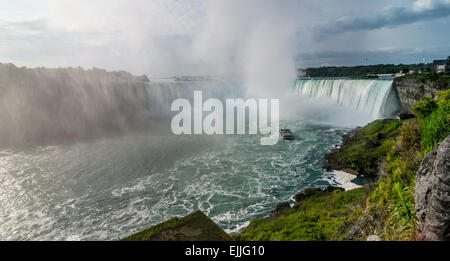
(376,98)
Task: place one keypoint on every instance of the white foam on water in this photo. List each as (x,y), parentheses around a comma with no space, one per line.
(232,184)
(73,238)
(342,179)
(238,228)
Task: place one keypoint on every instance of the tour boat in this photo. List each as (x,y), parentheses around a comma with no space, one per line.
(286,134)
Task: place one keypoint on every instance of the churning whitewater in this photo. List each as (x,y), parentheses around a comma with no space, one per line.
(108,188)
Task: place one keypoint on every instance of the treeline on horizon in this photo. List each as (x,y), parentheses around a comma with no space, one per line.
(364,70)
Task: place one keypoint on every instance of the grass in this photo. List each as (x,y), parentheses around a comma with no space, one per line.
(392,203)
(194,227)
(368,147)
(434,118)
(320,217)
(404,206)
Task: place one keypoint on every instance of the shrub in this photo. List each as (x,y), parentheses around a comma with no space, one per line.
(436,125)
(425,107)
(410,136)
(404,206)
(444,96)
(321,216)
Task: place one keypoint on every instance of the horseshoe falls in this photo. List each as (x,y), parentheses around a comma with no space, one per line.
(376,98)
(110,186)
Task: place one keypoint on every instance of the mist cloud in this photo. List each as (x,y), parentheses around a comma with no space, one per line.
(253,39)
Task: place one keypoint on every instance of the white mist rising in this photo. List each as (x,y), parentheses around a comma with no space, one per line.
(251,39)
(256,42)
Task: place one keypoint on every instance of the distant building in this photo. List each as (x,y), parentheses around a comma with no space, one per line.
(302,73)
(441,65)
(386,75)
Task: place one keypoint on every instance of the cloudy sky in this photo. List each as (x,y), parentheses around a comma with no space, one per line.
(175,37)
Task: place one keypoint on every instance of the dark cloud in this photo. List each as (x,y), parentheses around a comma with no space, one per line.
(389,18)
(388,56)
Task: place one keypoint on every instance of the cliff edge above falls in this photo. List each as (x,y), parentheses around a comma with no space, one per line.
(412,89)
(432,194)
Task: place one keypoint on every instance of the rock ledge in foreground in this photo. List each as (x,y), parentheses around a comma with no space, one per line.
(432,194)
(194,227)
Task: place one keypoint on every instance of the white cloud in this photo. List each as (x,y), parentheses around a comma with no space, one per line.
(424,5)
(157,17)
(168,37)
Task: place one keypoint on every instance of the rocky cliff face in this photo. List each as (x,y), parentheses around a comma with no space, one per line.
(411,91)
(433,194)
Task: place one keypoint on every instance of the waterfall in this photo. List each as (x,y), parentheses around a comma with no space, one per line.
(161,94)
(376,98)
(46,106)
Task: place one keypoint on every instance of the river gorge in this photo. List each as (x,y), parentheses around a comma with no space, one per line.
(122,170)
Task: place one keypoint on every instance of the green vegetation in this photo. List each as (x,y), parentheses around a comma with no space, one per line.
(364,150)
(388,209)
(363,71)
(391,205)
(439,78)
(424,108)
(364,77)
(434,118)
(404,206)
(320,216)
(194,227)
